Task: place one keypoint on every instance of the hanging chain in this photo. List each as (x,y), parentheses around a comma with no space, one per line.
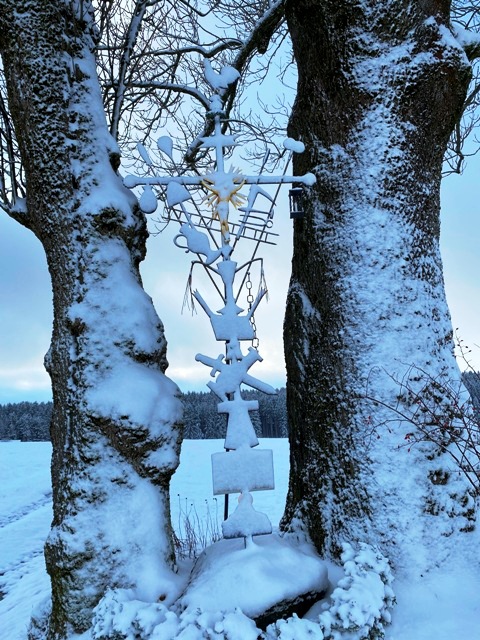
(250,299)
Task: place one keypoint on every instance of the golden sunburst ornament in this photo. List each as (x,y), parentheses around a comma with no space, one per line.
(218,195)
(223,188)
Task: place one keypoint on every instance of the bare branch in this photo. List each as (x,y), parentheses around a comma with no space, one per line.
(465,16)
(437,411)
(175,88)
(127,50)
(206,51)
(12,187)
(149,62)
(256,43)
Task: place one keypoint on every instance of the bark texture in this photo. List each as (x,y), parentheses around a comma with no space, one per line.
(115,428)
(380,86)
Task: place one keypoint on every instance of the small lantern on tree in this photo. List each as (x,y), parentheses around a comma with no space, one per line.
(295,197)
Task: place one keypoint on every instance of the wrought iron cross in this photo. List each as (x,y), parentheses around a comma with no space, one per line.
(241,469)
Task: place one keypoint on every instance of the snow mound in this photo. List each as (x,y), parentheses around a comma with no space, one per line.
(231,584)
(228,576)
(119,616)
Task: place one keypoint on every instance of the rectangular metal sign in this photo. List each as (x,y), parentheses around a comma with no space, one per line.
(242,470)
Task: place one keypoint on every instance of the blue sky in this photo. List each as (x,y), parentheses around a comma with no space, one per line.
(26,313)
(460,237)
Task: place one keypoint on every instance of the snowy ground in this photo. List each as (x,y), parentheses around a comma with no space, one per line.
(441,607)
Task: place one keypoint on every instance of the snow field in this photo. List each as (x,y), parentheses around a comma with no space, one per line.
(443,605)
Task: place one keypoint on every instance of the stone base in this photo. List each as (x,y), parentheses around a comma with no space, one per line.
(286,608)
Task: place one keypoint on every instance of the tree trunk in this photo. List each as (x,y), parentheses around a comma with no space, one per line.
(380,86)
(115,428)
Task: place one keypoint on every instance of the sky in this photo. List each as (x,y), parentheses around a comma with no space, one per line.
(26,309)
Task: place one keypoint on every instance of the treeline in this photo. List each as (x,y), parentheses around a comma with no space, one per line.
(202,419)
(30,421)
(27,421)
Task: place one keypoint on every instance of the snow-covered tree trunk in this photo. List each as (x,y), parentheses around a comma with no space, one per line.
(115,427)
(381,84)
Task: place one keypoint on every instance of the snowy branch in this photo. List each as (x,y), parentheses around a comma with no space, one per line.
(206,52)
(176,88)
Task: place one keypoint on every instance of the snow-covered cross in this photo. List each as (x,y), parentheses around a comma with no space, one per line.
(240,469)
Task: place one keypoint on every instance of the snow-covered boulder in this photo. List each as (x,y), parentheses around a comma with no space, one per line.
(255,577)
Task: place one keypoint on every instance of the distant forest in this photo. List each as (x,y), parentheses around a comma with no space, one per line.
(30,421)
